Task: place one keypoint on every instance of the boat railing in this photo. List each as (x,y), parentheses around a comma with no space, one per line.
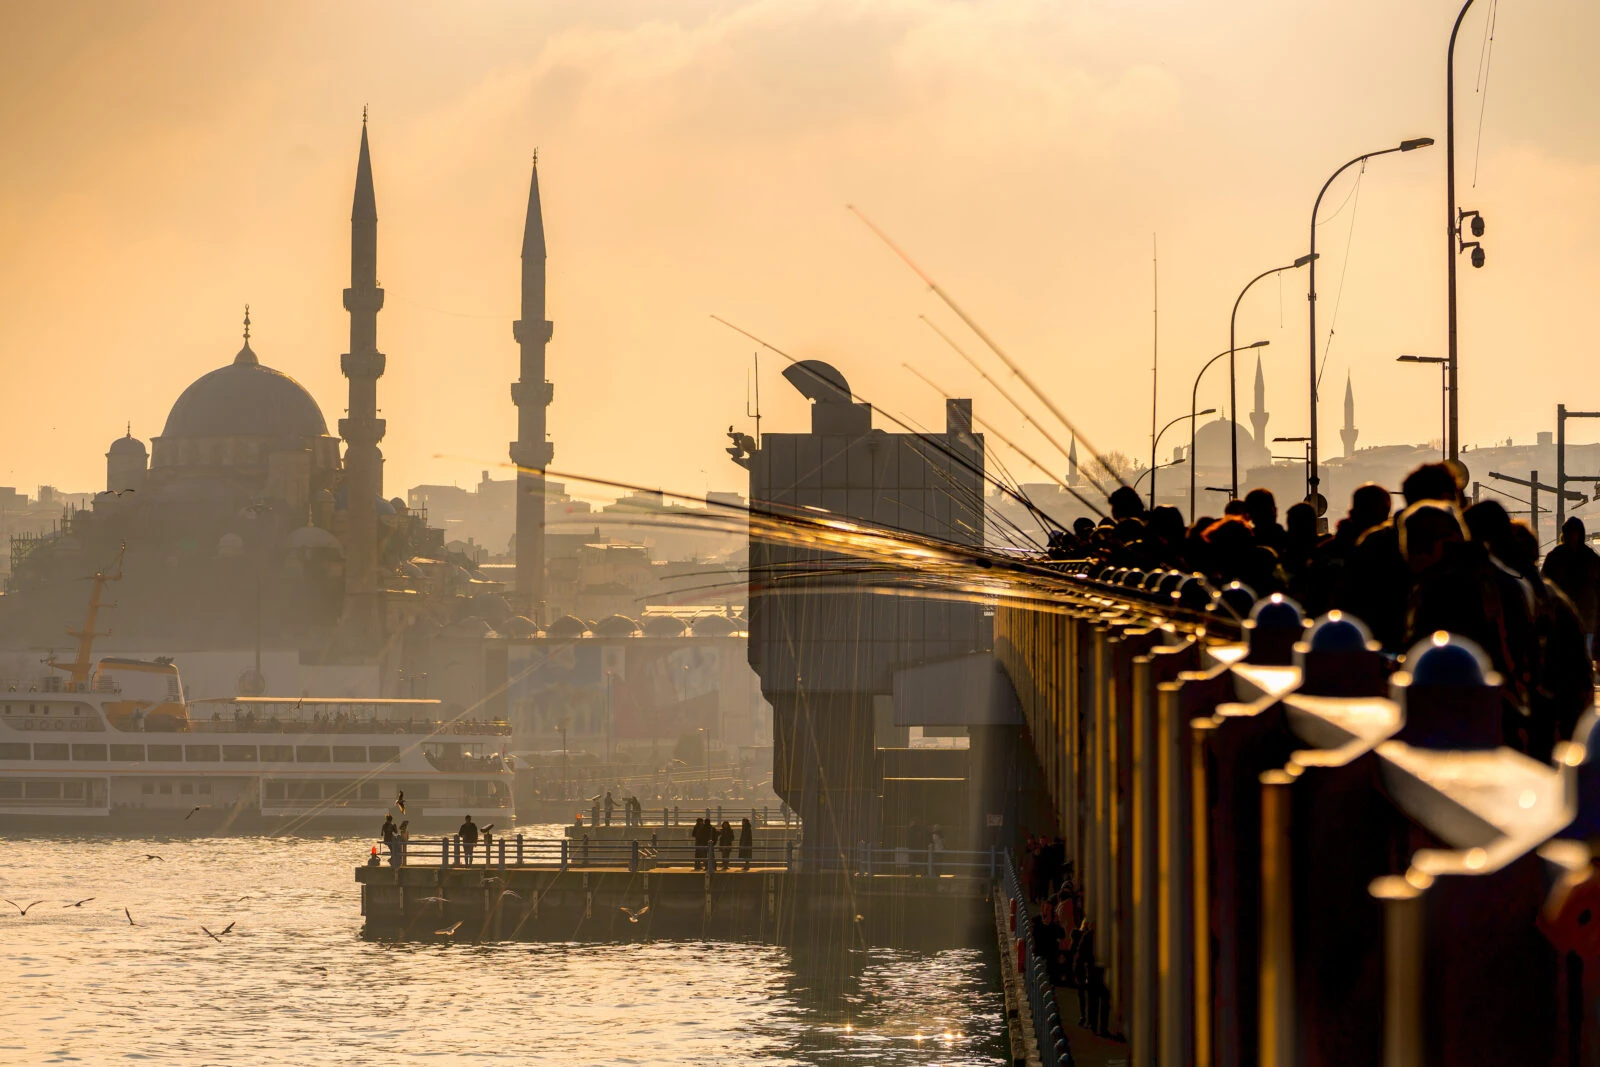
(255,725)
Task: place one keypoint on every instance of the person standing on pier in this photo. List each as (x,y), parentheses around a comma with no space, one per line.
(1574,568)
(469,837)
(747,841)
(702,834)
(725,839)
(610,806)
(387,833)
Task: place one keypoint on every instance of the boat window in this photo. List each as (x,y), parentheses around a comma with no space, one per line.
(272,790)
(127,753)
(238,753)
(277,753)
(42,790)
(338,790)
(205,789)
(89,752)
(384,753)
(349,754)
(369,790)
(311,753)
(174,753)
(147,788)
(202,753)
(10,789)
(49,751)
(14,750)
(72,790)
(186,788)
(166,788)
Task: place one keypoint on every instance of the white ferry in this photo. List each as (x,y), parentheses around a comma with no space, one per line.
(114,745)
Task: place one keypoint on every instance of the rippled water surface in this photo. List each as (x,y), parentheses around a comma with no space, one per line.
(295,983)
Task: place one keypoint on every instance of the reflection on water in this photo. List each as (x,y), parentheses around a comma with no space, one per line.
(295,983)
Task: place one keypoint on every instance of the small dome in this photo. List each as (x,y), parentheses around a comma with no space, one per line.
(128,445)
(616,626)
(310,537)
(568,626)
(492,607)
(471,626)
(383,507)
(411,571)
(663,626)
(245,399)
(519,626)
(1211,446)
(714,626)
(397,505)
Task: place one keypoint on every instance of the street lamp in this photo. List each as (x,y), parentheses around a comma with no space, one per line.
(1444,385)
(1233,399)
(1158,467)
(1299,441)
(1311,296)
(1154,466)
(1454,219)
(1194,399)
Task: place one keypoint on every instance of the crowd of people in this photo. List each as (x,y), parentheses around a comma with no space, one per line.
(1437,563)
(1062,932)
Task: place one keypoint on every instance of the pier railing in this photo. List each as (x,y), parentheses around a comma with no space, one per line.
(685,815)
(1054,1051)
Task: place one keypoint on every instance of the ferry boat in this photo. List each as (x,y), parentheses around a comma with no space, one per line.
(112,744)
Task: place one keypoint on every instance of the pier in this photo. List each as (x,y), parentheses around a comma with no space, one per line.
(597,890)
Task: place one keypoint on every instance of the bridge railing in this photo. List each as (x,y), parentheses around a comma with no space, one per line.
(1054,1049)
(1289,854)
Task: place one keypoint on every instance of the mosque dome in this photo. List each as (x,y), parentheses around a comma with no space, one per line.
(1211,445)
(308,538)
(126,446)
(245,399)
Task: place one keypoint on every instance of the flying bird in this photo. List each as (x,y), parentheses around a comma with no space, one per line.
(149,856)
(213,936)
(129,914)
(113,492)
(191,812)
(79,904)
(229,928)
(633,916)
(450,930)
(20,909)
(441,901)
(400,802)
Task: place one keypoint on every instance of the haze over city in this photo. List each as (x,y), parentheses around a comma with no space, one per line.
(169,164)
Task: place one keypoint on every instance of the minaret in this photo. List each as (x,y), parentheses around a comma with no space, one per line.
(1072,461)
(531,452)
(1258,416)
(1349,432)
(362,429)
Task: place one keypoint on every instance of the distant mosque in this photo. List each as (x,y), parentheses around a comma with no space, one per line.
(243,515)
(1211,448)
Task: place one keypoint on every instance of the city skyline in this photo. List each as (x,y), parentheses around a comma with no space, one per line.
(1013,152)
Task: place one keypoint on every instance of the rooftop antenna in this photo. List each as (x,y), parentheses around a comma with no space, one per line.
(756,377)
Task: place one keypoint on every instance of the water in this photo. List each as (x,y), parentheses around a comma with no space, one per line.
(296,983)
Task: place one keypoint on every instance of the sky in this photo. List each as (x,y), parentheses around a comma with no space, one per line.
(167,163)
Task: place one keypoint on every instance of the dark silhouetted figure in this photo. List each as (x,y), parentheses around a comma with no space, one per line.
(1574,568)
(725,842)
(610,806)
(747,842)
(469,837)
(702,834)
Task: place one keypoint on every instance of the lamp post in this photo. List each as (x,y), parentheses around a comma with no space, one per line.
(1299,441)
(1159,467)
(1453,220)
(1194,399)
(1154,466)
(1444,402)
(1312,479)
(1233,398)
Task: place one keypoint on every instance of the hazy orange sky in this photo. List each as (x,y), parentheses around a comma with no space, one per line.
(165,163)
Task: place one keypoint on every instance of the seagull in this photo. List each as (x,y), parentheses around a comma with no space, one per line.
(192,811)
(229,928)
(212,936)
(507,893)
(149,856)
(633,916)
(441,901)
(79,904)
(20,909)
(113,492)
(129,914)
(400,802)
(450,930)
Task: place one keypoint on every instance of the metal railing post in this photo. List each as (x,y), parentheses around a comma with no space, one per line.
(444,852)
(519,850)
(458,850)
(564,850)
(930,861)
(788,855)
(502,843)
(633,857)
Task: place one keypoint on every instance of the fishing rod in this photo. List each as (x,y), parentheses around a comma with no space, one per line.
(983,335)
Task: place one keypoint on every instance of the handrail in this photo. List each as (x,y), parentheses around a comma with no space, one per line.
(1054,1051)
